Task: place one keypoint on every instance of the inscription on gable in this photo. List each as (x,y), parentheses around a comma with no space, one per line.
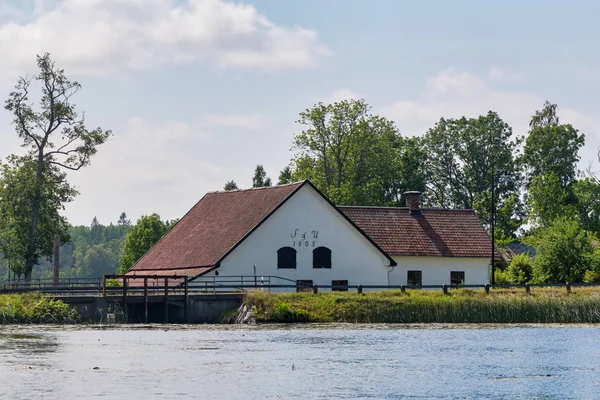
(305,239)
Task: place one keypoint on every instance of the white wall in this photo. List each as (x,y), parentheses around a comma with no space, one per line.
(353,257)
(436,270)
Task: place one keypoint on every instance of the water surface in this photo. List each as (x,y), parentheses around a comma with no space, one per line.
(301,362)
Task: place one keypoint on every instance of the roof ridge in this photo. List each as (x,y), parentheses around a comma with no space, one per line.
(256,188)
(406,208)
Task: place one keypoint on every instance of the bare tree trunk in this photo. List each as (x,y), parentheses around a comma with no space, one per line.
(56,259)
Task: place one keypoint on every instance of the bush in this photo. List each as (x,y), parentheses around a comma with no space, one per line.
(591,276)
(501,277)
(33,308)
(520,269)
(564,251)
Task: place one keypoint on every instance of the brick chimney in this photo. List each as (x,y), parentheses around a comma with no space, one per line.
(413,201)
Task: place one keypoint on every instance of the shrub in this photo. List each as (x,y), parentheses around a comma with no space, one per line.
(520,269)
(564,251)
(501,277)
(591,276)
(33,308)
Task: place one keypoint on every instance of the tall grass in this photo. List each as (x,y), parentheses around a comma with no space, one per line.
(459,306)
(33,308)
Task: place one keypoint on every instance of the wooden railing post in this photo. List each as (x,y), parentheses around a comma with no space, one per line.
(487,288)
(359,289)
(166,300)
(104,286)
(146,299)
(185,295)
(402,289)
(125,299)
(315,288)
(568,286)
(445,288)
(527,289)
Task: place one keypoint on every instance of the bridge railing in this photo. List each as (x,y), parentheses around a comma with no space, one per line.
(112,285)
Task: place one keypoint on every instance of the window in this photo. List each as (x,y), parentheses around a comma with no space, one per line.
(321,257)
(457,278)
(339,285)
(414,278)
(304,285)
(286,257)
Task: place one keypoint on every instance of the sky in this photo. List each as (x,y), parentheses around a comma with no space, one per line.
(198,92)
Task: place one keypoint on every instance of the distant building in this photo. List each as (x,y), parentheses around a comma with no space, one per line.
(293,232)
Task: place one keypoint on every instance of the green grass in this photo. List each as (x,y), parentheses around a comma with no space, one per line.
(547,305)
(33,308)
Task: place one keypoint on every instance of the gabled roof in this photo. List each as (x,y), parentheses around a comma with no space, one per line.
(432,232)
(216,225)
(212,228)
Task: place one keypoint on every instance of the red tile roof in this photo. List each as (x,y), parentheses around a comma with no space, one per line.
(213,227)
(433,232)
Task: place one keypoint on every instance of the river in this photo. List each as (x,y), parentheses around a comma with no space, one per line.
(300,362)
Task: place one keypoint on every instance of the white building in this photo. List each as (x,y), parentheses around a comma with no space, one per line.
(293,233)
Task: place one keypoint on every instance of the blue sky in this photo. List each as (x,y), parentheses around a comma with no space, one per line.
(198,92)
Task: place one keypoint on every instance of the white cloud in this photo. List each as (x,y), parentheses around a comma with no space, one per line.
(146,167)
(339,95)
(108,36)
(453,93)
(499,74)
(244,121)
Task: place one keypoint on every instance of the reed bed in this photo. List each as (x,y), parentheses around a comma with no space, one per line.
(543,305)
(33,308)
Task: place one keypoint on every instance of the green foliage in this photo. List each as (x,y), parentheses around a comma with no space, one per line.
(424,306)
(230,185)
(501,277)
(591,276)
(17,192)
(354,157)
(285,176)
(551,147)
(464,156)
(32,308)
(564,251)
(547,199)
(146,232)
(520,269)
(260,178)
(56,139)
(587,208)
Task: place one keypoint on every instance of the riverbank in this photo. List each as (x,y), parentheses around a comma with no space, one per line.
(33,308)
(548,305)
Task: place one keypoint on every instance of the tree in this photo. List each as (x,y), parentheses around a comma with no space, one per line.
(55,136)
(17,193)
(552,147)
(146,232)
(587,204)
(564,251)
(348,153)
(408,172)
(547,199)
(123,220)
(260,178)
(550,157)
(285,176)
(464,157)
(230,185)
